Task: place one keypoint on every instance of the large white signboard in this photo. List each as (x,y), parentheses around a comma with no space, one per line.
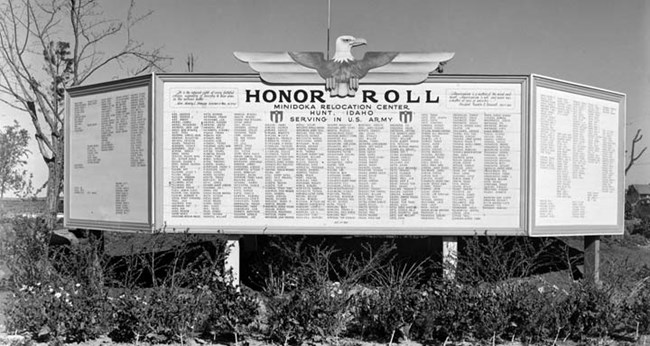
(107,157)
(454,155)
(435,158)
(577,154)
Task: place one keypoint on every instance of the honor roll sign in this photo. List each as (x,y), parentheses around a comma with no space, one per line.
(243,155)
(451,155)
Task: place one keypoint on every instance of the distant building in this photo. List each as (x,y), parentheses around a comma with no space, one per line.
(638,198)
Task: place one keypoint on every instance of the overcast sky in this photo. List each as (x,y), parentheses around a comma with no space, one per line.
(601,43)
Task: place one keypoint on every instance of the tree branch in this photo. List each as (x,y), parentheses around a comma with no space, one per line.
(633,158)
(47,46)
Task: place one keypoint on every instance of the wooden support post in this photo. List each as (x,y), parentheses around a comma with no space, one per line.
(232,262)
(592,259)
(449,257)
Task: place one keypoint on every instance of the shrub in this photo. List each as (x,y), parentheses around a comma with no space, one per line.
(190,295)
(394,303)
(642,227)
(160,315)
(69,312)
(293,263)
(387,313)
(169,314)
(311,313)
(637,308)
(164,259)
(58,291)
(27,255)
(507,310)
(590,312)
(312,295)
(61,292)
(533,311)
(229,309)
(494,259)
(466,312)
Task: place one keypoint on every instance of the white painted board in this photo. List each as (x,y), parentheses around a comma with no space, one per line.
(577,153)
(107,158)
(442,157)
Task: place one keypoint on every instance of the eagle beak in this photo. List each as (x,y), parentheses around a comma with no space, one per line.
(358,42)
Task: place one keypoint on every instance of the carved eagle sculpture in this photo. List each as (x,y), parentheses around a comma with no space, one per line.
(342,73)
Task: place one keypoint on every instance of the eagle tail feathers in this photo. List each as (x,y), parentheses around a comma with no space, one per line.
(342,90)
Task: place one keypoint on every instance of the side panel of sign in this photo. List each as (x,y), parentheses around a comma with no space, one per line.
(442,157)
(577,153)
(107,182)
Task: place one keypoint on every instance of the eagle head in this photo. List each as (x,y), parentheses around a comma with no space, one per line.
(343,46)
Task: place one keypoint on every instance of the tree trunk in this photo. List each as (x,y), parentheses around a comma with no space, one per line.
(54,183)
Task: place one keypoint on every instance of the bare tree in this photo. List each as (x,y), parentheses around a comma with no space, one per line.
(47,46)
(633,158)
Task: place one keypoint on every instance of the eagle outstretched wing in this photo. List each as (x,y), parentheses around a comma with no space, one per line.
(281,68)
(313,68)
(315,60)
(403,68)
(372,60)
